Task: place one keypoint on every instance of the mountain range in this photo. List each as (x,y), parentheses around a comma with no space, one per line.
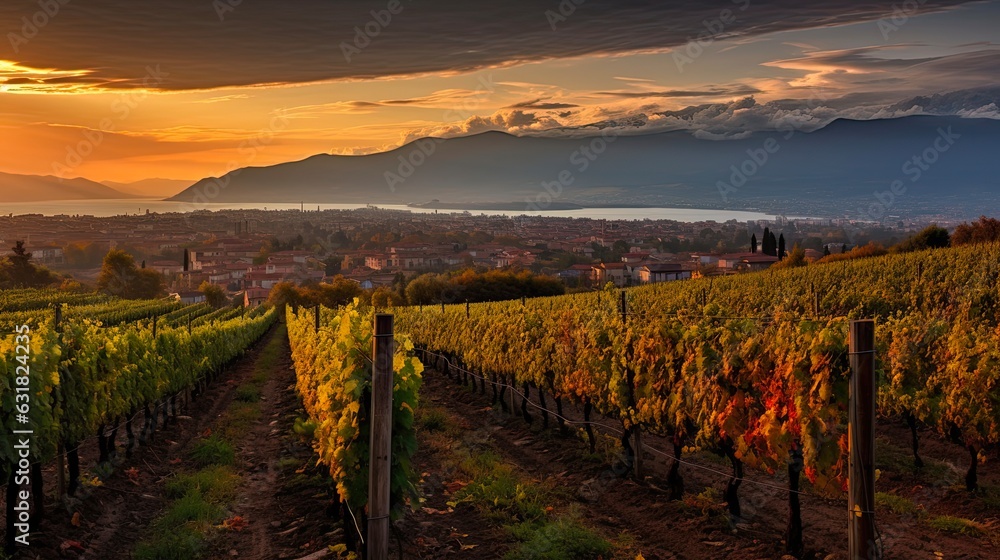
(34,188)
(848,166)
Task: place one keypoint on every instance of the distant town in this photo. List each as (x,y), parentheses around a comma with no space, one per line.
(248,252)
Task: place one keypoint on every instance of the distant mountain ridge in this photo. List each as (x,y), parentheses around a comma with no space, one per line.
(43,188)
(847,161)
(152,188)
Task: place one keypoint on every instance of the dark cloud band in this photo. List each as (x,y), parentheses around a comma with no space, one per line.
(218,43)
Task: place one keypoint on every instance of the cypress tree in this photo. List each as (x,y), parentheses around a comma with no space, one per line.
(753,243)
(781,247)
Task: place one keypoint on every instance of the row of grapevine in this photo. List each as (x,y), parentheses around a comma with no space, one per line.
(27,299)
(84,375)
(333,367)
(762,388)
(111,312)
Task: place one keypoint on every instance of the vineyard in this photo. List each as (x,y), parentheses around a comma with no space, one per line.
(755,367)
(81,368)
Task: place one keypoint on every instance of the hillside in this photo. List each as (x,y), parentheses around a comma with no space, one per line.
(37,188)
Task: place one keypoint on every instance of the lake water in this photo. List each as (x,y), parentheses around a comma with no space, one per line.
(134,206)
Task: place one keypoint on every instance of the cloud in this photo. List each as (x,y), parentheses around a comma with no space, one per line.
(541,105)
(985,112)
(730,120)
(670,94)
(511,121)
(266,43)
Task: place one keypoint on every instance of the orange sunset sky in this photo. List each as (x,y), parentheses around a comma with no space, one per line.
(114,91)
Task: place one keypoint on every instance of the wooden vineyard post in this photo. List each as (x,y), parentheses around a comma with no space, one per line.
(861,482)
(60,452)
(381,438)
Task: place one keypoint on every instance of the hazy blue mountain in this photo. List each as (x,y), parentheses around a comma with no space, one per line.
(835,170)
(38,188)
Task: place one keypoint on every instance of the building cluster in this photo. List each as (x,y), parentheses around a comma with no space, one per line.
(245,250)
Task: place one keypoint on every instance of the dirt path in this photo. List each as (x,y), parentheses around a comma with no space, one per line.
(278,489)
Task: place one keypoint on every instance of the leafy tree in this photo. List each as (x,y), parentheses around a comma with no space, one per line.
(931,237)
(983,230)
(384,296)
(794,259)
(83,255)
(19,272)
(284,293)
(214,295)
(121,277)
(338,292)
(426,289)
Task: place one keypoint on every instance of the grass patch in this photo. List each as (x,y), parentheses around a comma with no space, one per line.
(432,419)
(180,533)
(563,539)
(498,492)
(184,543)
(216,484)
(247,393)
(213,450)
(949,524)
(522,508)
(239,420)
(193,508)
(896,504)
